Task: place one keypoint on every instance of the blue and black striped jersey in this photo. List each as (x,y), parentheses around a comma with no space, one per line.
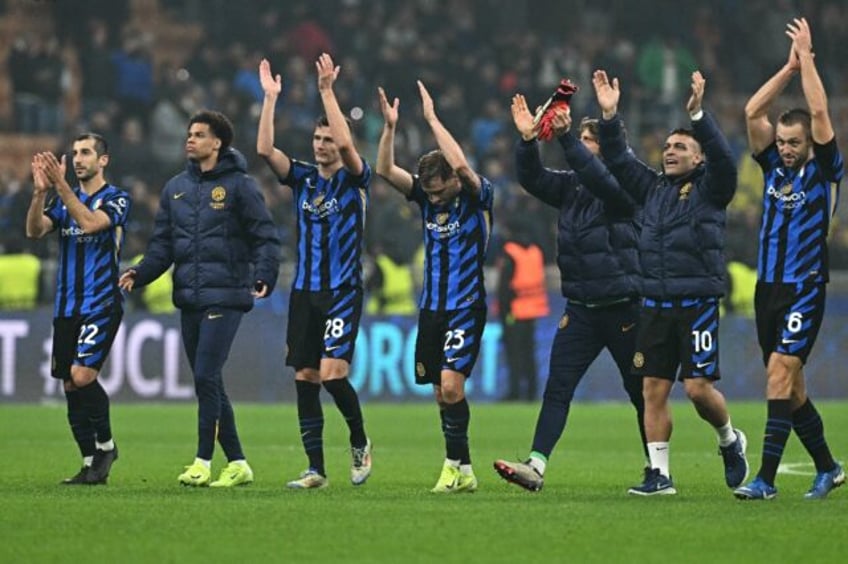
(88,269)
(797,207)
(330,226)
(456,235)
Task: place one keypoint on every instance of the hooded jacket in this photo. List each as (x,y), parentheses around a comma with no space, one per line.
(597,229)
(216,230)
(681,247)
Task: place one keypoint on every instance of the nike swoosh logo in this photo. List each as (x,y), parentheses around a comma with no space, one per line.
(452,359)
(214,315)
(179,195)
(703,364)
(789,341)
(330,349)
(83,355)
(626,328)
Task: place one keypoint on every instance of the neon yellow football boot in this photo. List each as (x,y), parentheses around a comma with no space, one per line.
(196,474)
(236,473)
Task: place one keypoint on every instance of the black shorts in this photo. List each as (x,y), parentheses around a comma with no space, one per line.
(447,340)
(679,334)
(322,325)
(789,317)
(83,340)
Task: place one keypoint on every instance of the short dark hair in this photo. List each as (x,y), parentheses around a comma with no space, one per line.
(434,165)
(322,121)
(591,125)
(688,133)
(796,116)
(218,123)
(101,147)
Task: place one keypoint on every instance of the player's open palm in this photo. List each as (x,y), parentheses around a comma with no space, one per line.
(390,111)
(271,84)
(327,71)
(799,31)
(427,106)
(606,91)
(40,182)
(522,117)
(693,106)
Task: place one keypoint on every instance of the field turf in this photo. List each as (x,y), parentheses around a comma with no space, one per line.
(582,515)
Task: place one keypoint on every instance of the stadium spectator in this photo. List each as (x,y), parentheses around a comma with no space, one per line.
(213,227)
(325,305)
(682,268)
(89,219)
(802,167)
(456,213)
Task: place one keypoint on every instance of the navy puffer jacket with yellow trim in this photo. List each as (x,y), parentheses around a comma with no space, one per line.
(216,230)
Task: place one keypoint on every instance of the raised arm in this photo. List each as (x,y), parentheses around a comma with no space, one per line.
(760,129)
(89,221)
(721,165)
(399,178)
(549,186)
(37,224)
(448,145)
(279,162)
(633,175)
(591,172)
(327,74)
(811,84)
(607,93)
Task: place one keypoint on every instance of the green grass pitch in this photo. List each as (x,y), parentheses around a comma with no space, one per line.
(582,515)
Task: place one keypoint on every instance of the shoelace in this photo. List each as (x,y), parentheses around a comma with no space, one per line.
(358,456)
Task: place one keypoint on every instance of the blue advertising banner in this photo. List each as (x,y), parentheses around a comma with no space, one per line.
(147,362)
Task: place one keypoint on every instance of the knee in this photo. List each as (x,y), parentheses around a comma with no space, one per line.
(558,392)
(698,390)
(451,393)
(82,376)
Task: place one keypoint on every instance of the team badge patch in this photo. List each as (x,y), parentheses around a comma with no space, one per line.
(318,200)
(420,370)
(219,194)
(638,360)
(563,321)
(684,191)
(442,218)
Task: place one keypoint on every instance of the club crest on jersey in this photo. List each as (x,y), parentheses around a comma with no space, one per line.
(786,189)
(442,218)
(318,200)
(563,322)
(638,360)
(219,194)
(684,191)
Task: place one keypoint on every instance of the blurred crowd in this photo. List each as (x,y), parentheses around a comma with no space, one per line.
(472,54)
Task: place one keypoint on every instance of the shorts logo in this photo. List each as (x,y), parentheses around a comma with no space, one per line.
(219,194)
(420,370)
(563,322)
(638,360)
(684,191)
